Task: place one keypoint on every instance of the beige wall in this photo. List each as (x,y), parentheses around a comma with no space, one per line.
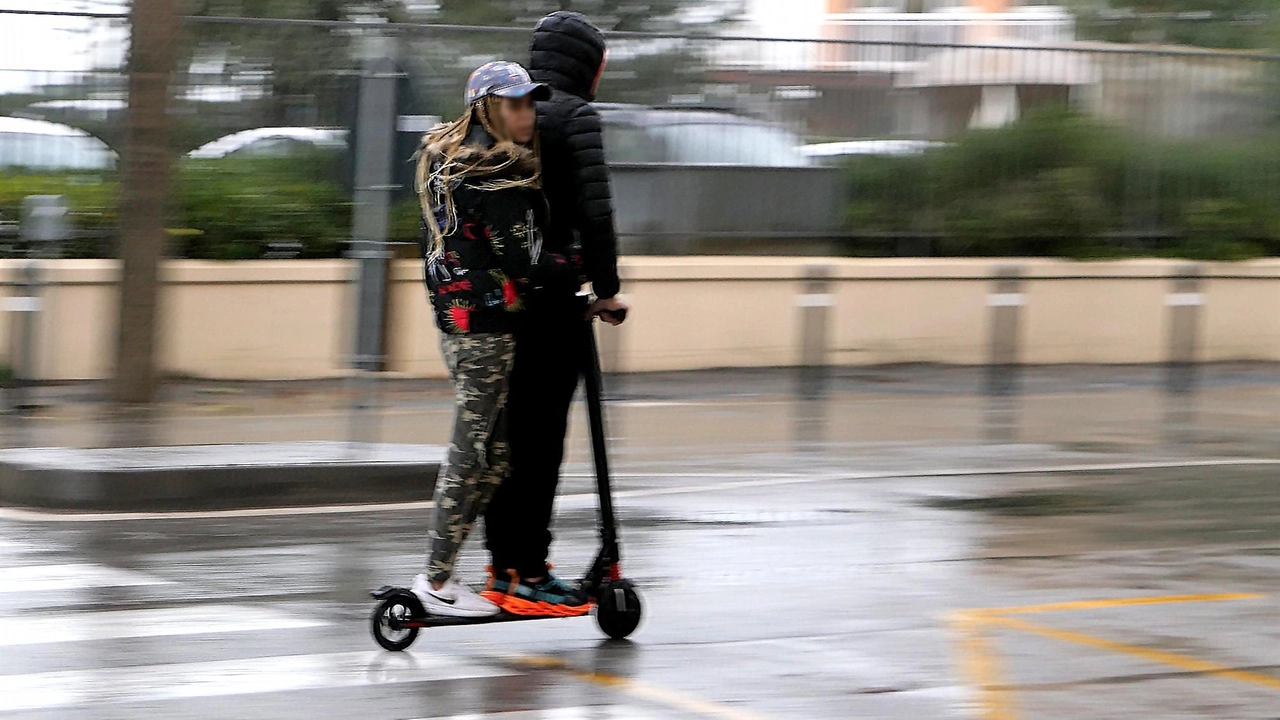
(242,320)
(413,345)
(291,319)
(275,319)
(1242,313)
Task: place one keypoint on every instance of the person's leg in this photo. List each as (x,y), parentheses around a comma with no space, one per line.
(543,381)
(499,467)
(480,366)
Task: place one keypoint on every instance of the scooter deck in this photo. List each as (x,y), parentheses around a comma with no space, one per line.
(428,620)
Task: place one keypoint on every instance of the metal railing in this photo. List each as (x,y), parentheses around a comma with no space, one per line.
(1183,136)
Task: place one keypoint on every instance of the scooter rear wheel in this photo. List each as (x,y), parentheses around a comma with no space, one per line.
(618,609)
(387,622)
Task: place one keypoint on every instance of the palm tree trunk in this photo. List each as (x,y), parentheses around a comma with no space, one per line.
(144,189)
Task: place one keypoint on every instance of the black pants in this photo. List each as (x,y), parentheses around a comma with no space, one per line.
(548,363)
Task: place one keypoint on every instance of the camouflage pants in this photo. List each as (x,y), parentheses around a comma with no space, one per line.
(479,456)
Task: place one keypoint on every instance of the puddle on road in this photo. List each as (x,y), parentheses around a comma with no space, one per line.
(1031,504)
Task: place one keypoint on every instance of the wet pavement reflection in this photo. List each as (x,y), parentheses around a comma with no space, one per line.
(870,549)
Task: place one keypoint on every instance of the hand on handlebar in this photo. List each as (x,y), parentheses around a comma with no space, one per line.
(611,310)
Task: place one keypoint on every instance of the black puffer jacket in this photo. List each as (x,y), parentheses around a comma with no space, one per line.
(567,53)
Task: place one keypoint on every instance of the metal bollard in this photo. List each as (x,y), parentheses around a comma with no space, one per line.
(816,306)
(1003,380)
(1186,306)
(1006,302)
(1185,303)
(26,304)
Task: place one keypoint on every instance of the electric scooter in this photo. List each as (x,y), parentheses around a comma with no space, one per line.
(400,615)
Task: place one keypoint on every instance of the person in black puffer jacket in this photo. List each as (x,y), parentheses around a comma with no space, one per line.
(567,53)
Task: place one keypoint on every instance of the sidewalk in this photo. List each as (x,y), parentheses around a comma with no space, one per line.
(674,420)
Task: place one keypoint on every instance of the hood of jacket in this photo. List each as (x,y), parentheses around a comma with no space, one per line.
(567,53)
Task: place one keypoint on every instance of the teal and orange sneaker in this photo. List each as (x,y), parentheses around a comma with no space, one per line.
(548,597)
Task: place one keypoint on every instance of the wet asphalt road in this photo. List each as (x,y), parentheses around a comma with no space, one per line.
(831,559)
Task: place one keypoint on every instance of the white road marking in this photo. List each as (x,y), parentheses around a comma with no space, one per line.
(594,712)
(759,480)
(801,479)
(654,403)
(39,516)
(152,622)
(155,683)
(72,576)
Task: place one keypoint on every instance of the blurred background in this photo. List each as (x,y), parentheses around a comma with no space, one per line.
(992,283)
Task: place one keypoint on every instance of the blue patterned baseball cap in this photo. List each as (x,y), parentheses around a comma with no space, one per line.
(504,79)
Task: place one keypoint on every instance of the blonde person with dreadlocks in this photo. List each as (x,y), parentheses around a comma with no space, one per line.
(479,182)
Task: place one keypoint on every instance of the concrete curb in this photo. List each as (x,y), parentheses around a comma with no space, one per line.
(217,477)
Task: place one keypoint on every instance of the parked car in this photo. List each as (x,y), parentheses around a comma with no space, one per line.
(41,145)
(692,181)
(838,152)
(272,142)
(689,136)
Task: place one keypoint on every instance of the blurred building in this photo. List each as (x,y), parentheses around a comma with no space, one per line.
(930,69)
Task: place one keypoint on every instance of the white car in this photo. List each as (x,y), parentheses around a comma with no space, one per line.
(272,142)
(41,145)
(834,152)
(638,134)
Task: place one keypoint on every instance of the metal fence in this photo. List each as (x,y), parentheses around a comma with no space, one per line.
(936,146)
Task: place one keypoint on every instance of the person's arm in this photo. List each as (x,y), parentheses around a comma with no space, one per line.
(517,242)
(595,200)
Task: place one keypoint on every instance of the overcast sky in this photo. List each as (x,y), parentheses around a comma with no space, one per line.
(73,44)
(55,44)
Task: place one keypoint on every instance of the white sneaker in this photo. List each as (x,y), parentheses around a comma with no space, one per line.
(453,599)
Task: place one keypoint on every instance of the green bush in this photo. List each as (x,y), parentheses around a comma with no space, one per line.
(1062,184)
(406,222)
(226,209)
(235,208)
(1050,213)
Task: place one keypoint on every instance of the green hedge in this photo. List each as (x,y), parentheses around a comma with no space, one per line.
(1061,184)
(234,208)
(231,208)
(1054,184)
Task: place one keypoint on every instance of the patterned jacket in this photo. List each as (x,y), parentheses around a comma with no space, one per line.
(493,256)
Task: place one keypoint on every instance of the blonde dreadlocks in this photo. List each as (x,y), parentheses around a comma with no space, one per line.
(445,161)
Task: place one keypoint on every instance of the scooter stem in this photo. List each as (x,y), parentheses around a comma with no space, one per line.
(592,375)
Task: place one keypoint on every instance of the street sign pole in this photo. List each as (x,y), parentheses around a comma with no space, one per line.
(45,226)
(374,188)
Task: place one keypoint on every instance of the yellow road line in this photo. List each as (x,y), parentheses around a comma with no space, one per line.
(635,688)
(980,664)
(1182,662)
(1111,603)
(981,668)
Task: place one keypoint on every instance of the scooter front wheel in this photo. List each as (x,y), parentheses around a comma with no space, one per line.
(389,618)
(618,609)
